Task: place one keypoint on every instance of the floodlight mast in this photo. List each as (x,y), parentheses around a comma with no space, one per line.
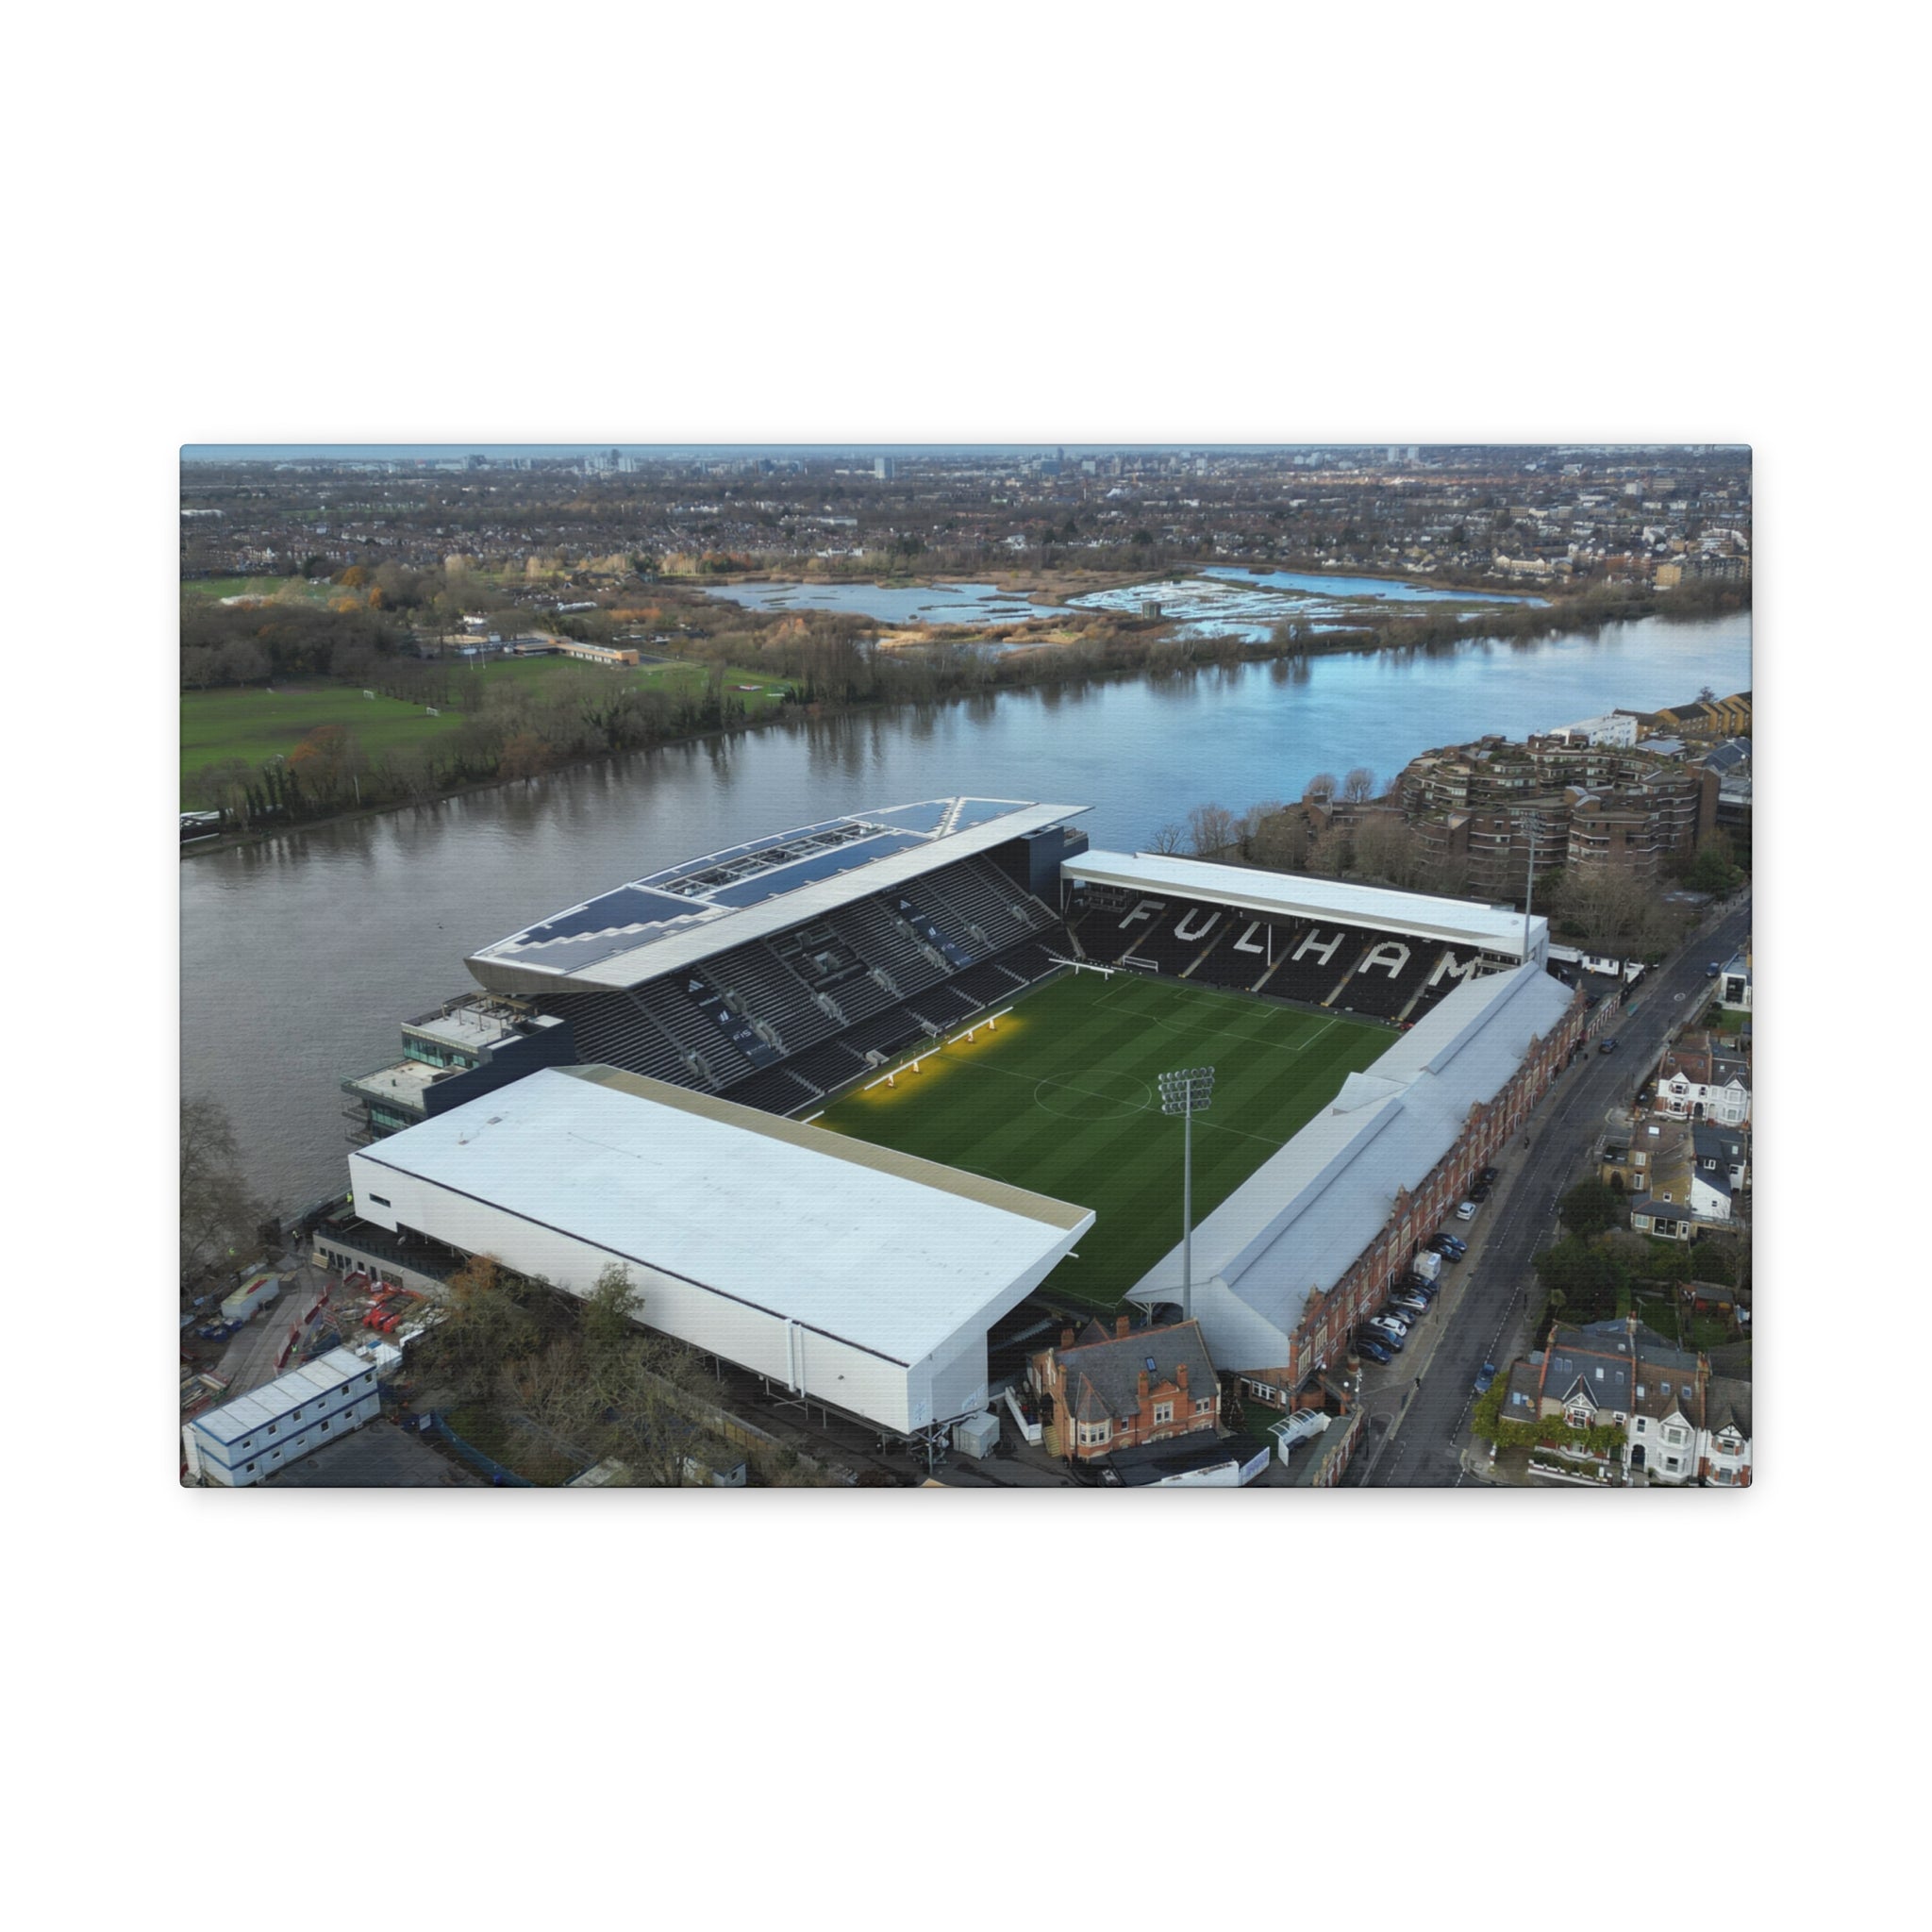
(1187,1094)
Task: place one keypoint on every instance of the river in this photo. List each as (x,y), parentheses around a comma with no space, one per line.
(300,956)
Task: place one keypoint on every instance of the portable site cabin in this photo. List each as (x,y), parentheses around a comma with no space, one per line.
(255,1294)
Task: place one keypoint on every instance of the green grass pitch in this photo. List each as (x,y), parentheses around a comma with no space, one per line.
(1061,1097)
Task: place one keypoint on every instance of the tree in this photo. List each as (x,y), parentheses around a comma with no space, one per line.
(219,1213)
(1280,840)
(611,1310)
(1168,838)
(1321,787)
(1211,828)
(1387,847)
(485,1331)
(1611,910)
(1359,787)
(1714,869)
(1590,1207)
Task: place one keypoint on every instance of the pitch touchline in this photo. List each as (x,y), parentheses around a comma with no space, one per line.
(1223,1032)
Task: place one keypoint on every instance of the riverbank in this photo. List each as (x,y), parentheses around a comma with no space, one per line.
(909,678)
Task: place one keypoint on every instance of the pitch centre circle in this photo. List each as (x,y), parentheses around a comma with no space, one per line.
(1093,1096)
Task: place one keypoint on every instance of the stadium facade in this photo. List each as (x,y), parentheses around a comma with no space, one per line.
(628,1081)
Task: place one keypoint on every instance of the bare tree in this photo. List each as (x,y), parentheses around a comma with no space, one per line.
(220,1214)
(1359,785)
(1386,847)
(1322,786)
(1211,828)
(1280,841)
(1168,838)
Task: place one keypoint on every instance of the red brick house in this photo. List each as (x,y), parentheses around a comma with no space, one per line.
(1110,1388)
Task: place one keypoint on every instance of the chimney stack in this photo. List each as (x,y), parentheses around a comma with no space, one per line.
(1180,1376)
(1120,1328)
(1066,1338)
(1144,1385)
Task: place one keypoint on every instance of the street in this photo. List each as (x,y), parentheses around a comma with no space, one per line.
(1425,1438)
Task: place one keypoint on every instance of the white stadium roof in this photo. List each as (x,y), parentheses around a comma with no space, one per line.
(877,1248)
(1289,895)
(1301,1219)
(685,913)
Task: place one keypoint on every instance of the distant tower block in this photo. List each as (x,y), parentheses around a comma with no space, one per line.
(884,468)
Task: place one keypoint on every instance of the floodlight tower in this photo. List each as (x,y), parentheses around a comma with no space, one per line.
(1187,1094)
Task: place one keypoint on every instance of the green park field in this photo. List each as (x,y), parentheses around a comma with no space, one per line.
(1061,1098)
(256,725)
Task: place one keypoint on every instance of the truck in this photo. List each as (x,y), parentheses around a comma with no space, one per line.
(1428,1266)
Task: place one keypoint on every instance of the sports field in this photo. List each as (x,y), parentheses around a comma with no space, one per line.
(1061,1097)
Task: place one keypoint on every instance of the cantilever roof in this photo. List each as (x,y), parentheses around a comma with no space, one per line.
(1289,896)
(881,1249)
(688,912)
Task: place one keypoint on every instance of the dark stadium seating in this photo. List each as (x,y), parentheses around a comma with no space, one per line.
(1328,951)
(613,1029)
(870,928)
(665,1001)
(1373,988)
(981,895)
(1448,959)
(1227,961)
(765,988)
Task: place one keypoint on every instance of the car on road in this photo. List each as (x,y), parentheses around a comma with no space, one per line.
(1367,1346)
(1712,971)
(1466,1210)
(1608,1046)
(1484,1376)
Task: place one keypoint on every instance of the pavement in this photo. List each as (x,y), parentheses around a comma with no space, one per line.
(1421,1431)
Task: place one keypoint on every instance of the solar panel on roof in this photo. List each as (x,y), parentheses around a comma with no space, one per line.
(976,811)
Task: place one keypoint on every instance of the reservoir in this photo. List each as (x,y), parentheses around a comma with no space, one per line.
(301,956)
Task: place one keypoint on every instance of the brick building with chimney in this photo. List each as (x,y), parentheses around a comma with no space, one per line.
(1110,1388)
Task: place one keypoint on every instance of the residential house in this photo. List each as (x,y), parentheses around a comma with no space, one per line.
(1723,1444)
(1719,1150)
(1620,1373)
(1111,1389)
(1700,1078)
(1633,1159)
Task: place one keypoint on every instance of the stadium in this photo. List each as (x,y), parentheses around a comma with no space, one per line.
(865,1106)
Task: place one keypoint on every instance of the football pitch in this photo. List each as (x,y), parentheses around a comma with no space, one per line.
(1061,1097)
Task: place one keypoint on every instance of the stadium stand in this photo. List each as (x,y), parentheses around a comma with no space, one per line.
(673,1006)
(1388,973)
(1229,961)
(613,1029)
(1316,961)
(755,981)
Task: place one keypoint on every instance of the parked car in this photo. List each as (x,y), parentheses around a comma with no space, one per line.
(1489,1177)
(1712,971)
(1368,1345)
(1606,1046)
(1410,1304)
(1484,1376)
(1415,1285)
(1480,1192)
(1390,1323)
(1389,1336)
(1452,1247)
(1466,1210)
